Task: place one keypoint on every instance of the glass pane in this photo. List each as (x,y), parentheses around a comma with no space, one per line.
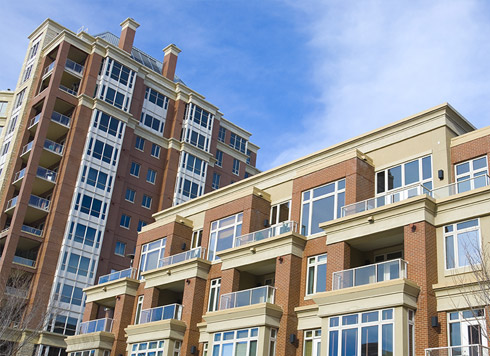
(326,189)
(349,342)
(468,248)
(369,341)
(333,347)
(349,319)
(426,168)
(479,163)
(321,278)
(365,275)
(450,252)
(311,279)
(411,172)
(253,348)
(387,343)
(380,186)
(308,348)
(394,177)
(463,168)
(387,314)
(225,239)
(241,349)
(305,219)
(367,317)
(323,210)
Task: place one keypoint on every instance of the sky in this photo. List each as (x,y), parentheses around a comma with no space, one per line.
(299,75)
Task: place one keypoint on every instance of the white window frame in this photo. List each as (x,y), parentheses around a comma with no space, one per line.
(467,179)
(277,207)
(219,340)
(452,230)
(217,227)
(118,244)
(467,317)
(315,337)
(236,166)
(157,245)
(313,263)
(411,332)
(146,201)
(137,349)
(196,238)
(214,294)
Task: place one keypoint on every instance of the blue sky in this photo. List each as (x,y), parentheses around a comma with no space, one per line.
(300,75)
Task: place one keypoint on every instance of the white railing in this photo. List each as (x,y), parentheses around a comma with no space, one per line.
(68,90)
(38,202)
(60,118)
(20,174)
(4,232)
(24,261)
(274,230)
(27,148)
(114,276)
(48,69)
(378,272)
(247,297)
(464,350)
(171,311)
(46,174)
(35,120)
(461,186)
(12,202)
(32,230)
(385,199)
(21,293)
(93,326)
(53,147)
(199,252)
(74,66)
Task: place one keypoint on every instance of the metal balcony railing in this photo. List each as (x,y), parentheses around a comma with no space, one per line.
(93,326)
(38,202)
(32,230)
(27,148)
(20,174)
(24,261)
(53,147)
(60,118)
(35,120)
(46,174)
(199,252)
(114,276)
(462,186)
(48,68)
(247,297)
(274,230)
(464,350)
(21,293)
(171,311)
(378,272)
(12,202)
(74,66)
(68,90)
(385,199)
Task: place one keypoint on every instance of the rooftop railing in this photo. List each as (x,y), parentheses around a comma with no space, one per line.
(60,118)
(374,273)
(462,186)
(199,252)
(74,66)
(38,202)
(35,120)
(171,311)
(385,199)
(48,68)
(27,148)
(247,297)
(68,90)
(114,276)
(275,230)
(12,202)
(32,230)
(53,147)
(24,261)
(93,326)
(464,350)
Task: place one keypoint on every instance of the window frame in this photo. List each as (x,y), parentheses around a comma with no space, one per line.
(216,228)
(313,263)
(452,230)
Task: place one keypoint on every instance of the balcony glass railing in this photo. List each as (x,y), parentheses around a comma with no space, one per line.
(114,276)
(35,120)
(462,186)
(385,199)
(73,66)
(60,118)
(48,68)
(278,229)
(24,261)
(20,174)
(11,203)
(464,350)
(32,230)
(94,326)
(378,272)
(4,232)
(68,90)
(21,293)
(38,202)
(53,147)
(171,311)
(247,297)
(46,174)
(27,148)
(199,252)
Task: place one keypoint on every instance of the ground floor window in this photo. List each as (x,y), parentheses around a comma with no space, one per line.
(150,348)
(236,342)
(88,353)
(272,342)
(312,342)
(466,327)
(363,334)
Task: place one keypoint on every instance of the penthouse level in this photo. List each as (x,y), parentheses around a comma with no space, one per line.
(363,248)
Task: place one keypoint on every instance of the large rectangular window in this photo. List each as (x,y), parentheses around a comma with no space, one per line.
(120,73)
(219,158)
(102,151)
(214,293)
(462,244)
(280,212)
(114,97)
(236,166)
(365,334)
(216,180)
(467,327)
(238,143)
(91,206)
(221,134)
(402,175)
(151,253)
(3,108)
(156,98)
(201,116)
(312,342)
(108,124)
(194,164)
(78,265)
(85,235)
(223,234)
(97,178)
(472,174)
(150,348)
(69,294)
(152,122)
(236,342)
(189,189)
(317,274)
(321,204)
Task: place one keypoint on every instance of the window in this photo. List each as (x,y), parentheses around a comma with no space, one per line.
(19,98)
(216,179)
(33,51)
(27,73)
(196,139)
(135,169)
(155,150)
(96,178)
(130,194)
(114,97)
(120,248)
(146,202)
(317,274)
(152,122)
(140,143)
(78,265)
(120,73)
(11,125)
(272,342)
(369,333)
(221,134)
(69,294)
(5,148)
(84,234)
(280,212)
(201,116)
(214,294)
(416,171)
(219,158)
(236,166)
(139,306)
(151,254)
(108,124)
(125,221)
(236,342)
(141,223)
(321,204)
(189,189)
(249,153)
(3,108)
(467,327)
(102,151)
(205,349)
(238,143)
(151,176)
(196,238)
(91,206)
(462,244)
(223,234)
(65,325)
(156,98)
(193,164)
(177,346)
(472,174)
(411,333)
(313,342)
(150,348)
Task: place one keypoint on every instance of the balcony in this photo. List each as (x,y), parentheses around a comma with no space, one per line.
(247,297)
(68,90)
(17,292)
(39,203)
(46,174)
(27,148)
(275,230)
(42,185)
(199,252)
(4,232)
(11,203)
(74,67)
(461,186)
(53,147)
(378,272)
(60,119)
(32,230)
(34,121)
(94,326)
(385,199)
(114,276)
(466,350)
(48,69)
(171,311)
(19,175)
(24,261)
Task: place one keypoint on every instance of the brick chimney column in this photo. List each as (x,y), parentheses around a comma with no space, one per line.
(170,61)
(128,31)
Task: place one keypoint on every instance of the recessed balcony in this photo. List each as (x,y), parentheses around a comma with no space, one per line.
(48,70)
(33,123)
(24,261)
(52,154)
(264,294)
(11,205)
(73,67)
(171,311)
(26,150)
(45,180)
(37,208)
(93,326)
(32,230)
(60,119)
